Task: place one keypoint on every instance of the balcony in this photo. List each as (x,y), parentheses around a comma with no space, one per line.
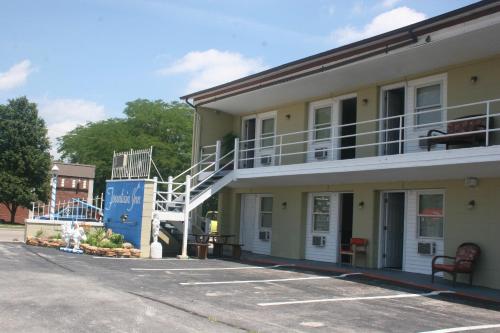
(437,143)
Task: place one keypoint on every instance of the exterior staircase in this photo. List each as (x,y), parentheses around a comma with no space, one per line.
(174,204)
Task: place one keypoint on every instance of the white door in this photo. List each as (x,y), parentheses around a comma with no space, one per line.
(323,119)
(265,142)
(322,233)
(248,221)
(427,98)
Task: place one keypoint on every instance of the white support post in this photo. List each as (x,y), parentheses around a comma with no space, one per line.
(281,144)
(169,189)
(236,159)
(487,133)
(400,134)
(217,155)
(186,218)
(155,190)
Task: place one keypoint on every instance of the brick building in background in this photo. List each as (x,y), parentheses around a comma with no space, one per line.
(73,181)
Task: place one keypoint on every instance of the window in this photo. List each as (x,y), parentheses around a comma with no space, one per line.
(73,183)
(322,123)
(62,182)
(430,215)
(84,186)
(266,212)
(321,213)
(267,133)
(428,98)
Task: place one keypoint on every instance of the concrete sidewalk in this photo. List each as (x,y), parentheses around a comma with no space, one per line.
(414,280)
(11,234)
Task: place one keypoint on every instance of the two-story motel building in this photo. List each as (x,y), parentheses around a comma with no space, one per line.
(336,145)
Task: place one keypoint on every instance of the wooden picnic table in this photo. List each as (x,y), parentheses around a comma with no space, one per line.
(218,241)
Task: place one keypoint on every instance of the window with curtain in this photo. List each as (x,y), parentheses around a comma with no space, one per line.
(427,99)
(267,133)
(266,212)
(322,123)
(430,215)
(321,213)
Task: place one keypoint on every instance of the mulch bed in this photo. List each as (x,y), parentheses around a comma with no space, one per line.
(125,252)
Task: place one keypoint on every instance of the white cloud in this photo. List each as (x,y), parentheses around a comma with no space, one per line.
(63,114)
(212,67)
(389,3)
(390,20)
(16,75)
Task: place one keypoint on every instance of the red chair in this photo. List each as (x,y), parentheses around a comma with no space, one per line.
(463,262)
(356,245)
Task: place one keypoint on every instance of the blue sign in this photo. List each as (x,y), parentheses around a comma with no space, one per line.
(123,208)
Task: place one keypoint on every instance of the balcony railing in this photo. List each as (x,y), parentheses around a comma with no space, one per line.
(473,124)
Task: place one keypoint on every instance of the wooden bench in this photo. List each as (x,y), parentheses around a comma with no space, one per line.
(201,249)
(235,249)
(460,133)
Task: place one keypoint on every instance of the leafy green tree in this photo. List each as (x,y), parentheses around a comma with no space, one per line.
(165,126)
(24,155)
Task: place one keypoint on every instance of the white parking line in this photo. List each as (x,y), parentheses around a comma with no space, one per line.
(464,328)
(145,259)
(348,274)
(253,281)
(209,268)
(345,299)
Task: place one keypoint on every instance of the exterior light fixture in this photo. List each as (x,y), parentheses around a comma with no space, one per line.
(284,205)
(361,204)
(471,182)
(365,101)
(473,79)
(288,116)
(471,204)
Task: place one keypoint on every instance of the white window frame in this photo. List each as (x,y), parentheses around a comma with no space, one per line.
(313,106)
(413,85)
(84,185)
(258,129)
(63,182)
(329,214)
(259,212)
(429,192)
(73,183)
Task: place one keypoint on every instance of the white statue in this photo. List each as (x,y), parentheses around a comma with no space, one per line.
(156,248)
(72,231)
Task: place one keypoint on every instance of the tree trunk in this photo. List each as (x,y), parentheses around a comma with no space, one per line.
(12,209)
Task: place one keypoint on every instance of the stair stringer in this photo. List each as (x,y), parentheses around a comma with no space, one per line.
(214,188)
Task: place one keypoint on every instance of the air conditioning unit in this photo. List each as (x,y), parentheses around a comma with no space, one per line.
(319,241)
(426,248)
(266,160)
(121,161)
(321,153)
(264,235)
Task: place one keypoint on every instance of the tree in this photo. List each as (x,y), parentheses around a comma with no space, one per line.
(24,155)
(165,126)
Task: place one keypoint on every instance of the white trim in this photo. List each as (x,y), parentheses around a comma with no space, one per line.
(431,191)
(254,281)
(383,89)
(463,328)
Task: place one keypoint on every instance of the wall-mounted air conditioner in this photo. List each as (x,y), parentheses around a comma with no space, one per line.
(319,241)
(264,235)
(266,160)
(321,153)
(426,248)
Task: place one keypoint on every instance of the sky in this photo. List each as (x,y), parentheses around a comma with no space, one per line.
(82,60)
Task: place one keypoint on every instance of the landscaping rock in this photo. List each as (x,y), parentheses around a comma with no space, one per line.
(127,246)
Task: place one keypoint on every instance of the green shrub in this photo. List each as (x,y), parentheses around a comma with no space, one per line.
(39,233)
(56,236)
(106,243)
(116,239)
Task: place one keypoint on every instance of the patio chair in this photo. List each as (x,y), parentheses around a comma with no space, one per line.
(356,246)
(463,262)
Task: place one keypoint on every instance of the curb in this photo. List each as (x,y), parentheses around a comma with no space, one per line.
(426,287)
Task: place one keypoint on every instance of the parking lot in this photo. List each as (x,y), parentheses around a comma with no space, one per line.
(45,290)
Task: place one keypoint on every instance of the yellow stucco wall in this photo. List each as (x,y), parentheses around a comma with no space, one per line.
(480,225)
